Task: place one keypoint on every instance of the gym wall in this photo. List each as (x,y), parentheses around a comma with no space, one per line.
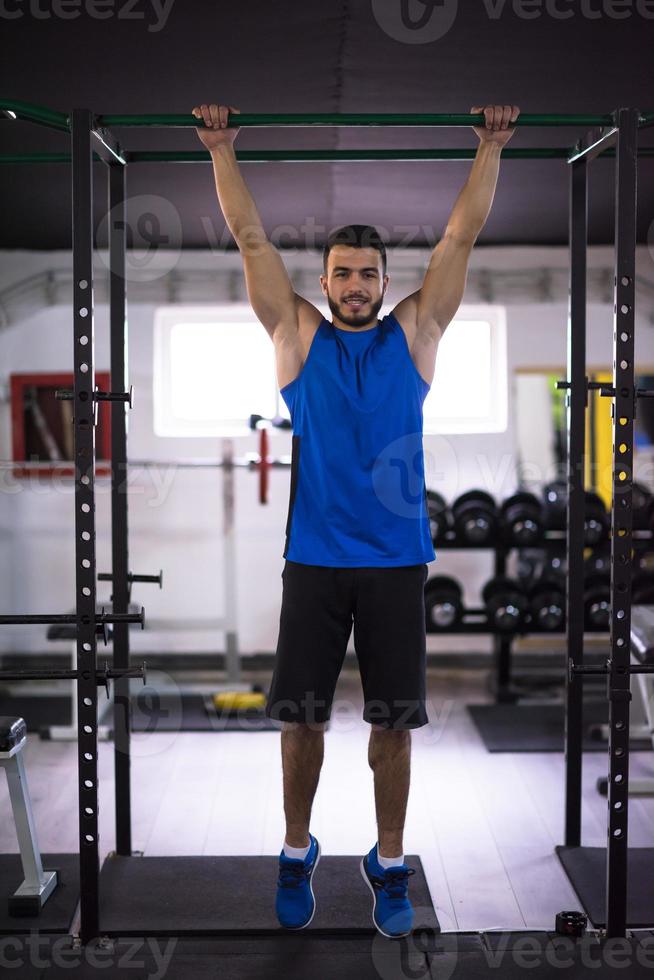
(176,525)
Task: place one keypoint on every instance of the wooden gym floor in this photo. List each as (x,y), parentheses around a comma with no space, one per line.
(485,825)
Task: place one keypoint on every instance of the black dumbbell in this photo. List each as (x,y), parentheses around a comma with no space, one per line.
(530,563)
(642,589)
(556,565)
(555,502)
(443,603)
(547,603)
(596,521)
(599,561)
(521,519)
(533,564)
(596,517)
(596,511)
(597,600)
(506,603)
(475,517)
(440,517)
(642,507)
(643,561)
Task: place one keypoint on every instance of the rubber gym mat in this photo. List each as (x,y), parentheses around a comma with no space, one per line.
(299,956)
(214,895)
(57,913)
(153,711)
(538,727)
(541,955)
(586,869)
(288,956)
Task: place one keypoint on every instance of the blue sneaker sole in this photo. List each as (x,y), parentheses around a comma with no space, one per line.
(313,871)
(388,935)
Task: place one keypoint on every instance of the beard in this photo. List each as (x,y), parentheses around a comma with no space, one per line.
(355,318)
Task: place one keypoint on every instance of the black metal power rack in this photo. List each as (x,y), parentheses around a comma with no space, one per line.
(92,140)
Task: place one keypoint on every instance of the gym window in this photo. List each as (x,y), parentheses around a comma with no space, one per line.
(469,391)
(214,366)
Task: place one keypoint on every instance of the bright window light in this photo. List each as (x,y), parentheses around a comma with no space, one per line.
(213,368)
(469,391)
(229,379)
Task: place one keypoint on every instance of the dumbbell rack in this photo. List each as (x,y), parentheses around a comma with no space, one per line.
(475,620)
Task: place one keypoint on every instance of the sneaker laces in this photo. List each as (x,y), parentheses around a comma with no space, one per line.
(292,875)
(396,883)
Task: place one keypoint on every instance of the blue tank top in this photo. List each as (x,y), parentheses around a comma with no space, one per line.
(358,496)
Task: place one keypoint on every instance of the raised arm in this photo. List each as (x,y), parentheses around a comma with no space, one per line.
(269,288)
(426,313)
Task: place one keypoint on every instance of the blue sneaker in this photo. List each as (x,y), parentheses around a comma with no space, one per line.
(392,913)
(296,904)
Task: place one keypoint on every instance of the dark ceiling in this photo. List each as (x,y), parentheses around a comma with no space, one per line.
(148,56)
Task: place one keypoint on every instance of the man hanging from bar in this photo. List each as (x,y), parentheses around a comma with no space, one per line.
(358,537)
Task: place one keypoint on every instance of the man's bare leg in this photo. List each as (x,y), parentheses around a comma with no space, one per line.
(302,754)
(389,757)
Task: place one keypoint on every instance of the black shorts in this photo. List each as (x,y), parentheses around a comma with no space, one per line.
(319,607)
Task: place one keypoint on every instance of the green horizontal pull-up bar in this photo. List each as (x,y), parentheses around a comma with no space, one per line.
(337,156)
(59,120)
(36,114)
(312,156)
(354,119)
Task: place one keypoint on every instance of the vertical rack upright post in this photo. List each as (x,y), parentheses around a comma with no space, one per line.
(84,407)
(119,501)
(575,417)
(623,412)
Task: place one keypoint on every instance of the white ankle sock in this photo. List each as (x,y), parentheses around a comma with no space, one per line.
(389,862)
(296,852)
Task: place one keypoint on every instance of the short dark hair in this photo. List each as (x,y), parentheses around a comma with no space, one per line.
(357,236)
